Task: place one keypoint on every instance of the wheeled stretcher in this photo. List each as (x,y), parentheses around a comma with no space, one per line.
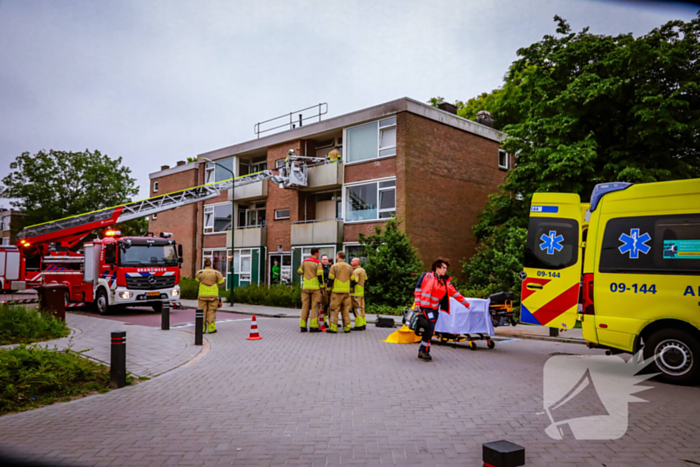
(464,324)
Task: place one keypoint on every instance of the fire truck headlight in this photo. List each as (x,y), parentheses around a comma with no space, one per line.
(175,292)
(126,294)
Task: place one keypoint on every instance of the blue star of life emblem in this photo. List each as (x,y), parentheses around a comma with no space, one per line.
(634,243)
(551,242)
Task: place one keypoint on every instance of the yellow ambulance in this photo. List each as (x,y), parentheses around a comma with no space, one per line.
(627,266)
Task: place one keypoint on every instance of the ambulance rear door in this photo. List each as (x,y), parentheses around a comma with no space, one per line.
(553,259)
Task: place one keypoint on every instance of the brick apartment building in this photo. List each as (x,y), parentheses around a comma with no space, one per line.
(11,222)
(427,166)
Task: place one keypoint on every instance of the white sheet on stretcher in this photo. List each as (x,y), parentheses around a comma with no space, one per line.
(463,320)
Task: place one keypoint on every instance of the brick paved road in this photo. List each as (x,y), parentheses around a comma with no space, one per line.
(304,399)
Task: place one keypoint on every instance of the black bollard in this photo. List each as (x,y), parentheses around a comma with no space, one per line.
(117,372)
(198,326)
(165,317)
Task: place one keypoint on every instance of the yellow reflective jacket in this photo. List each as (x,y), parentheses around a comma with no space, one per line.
(208,279)
(312,270)
(359,277)
(341,273)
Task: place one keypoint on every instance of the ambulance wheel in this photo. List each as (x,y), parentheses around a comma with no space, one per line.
(101,302)
(472,345)
(158,307)
(677,355)
(491,344)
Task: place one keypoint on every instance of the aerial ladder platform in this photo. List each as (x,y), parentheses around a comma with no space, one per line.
(70,231)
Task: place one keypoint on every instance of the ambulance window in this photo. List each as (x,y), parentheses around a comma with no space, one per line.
(652,245)
(552,243)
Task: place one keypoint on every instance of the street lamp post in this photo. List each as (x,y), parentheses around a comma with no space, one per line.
(233,214)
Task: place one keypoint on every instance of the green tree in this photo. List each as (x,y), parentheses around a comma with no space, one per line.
(393,266)
(52,185)
(590,109)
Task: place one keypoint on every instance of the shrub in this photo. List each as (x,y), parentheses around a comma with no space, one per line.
(393,266)
(275,295)
(35,376)
(19,324)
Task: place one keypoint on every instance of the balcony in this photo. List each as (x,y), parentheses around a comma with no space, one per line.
(324,176)
(251,192)
(247,237)
(317,232)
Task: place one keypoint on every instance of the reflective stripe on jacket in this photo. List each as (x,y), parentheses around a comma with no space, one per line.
(312,270)
(430,290)
(359,277)
(341,273)
(208,279)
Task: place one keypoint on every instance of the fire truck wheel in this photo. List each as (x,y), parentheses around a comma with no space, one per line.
(101,302)
(677,355)
(158,307)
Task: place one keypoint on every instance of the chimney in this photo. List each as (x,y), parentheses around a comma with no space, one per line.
(484,117)
(164,167)
(179,163)
(447,107)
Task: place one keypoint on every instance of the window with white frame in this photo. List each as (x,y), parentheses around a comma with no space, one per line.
(355,251)
(217,218)
(370,201)
(502,159)
(371,140)
(5,223)
(154,216)
(243,264)
(219,258)
(253,215)
(5,241)
(281,214)
(155,187)
(325,250)
(209,172)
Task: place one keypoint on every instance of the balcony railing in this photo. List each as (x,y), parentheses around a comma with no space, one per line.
(253,191)
(246,237)
(324,176)
(317,232)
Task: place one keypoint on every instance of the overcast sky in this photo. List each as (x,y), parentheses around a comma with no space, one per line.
(157,81)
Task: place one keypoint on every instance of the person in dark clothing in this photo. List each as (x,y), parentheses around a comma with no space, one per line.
(432,294)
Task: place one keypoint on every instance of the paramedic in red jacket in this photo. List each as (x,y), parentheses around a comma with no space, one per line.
(433,293)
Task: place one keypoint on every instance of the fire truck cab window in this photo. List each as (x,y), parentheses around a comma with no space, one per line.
(148,255)
(552,243)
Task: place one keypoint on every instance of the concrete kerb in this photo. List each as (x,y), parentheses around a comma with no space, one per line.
(295,313)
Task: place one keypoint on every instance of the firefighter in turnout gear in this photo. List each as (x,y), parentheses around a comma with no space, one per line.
(341,276)
(359,278)
(209,280)
(311,289)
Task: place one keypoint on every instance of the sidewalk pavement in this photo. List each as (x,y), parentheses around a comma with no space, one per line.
(521,331)
(149,351)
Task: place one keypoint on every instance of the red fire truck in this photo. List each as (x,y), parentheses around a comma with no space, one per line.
(13,271)
(114,270)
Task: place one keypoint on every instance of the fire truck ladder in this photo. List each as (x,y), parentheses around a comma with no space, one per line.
(292,174)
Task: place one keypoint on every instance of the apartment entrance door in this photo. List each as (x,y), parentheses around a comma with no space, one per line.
(284,261)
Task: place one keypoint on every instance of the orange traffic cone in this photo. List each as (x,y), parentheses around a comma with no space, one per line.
(321,324)
(254,336)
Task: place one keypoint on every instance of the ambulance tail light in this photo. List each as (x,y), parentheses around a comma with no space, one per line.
(588,308)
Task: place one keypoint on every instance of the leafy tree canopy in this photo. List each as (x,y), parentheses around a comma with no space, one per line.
(52,185)
(580,109)
(393,266)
